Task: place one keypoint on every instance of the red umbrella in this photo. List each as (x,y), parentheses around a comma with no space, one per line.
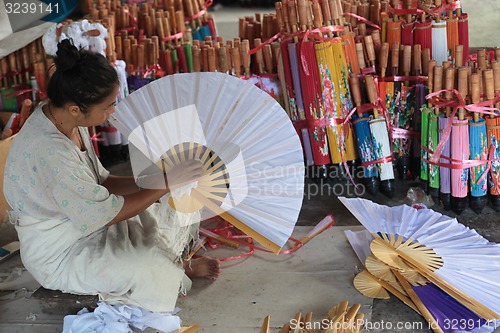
(423,35)
(311,89)
(407,33)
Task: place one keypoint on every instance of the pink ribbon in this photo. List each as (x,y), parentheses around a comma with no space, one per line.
(18,93)
(316,34)
(269,41)
(15,72)
(153,69)
(417,78)
(368,70)
(483,107)
(362,19)
(172,37)
(400,133)
(228,231)
(207,4)
(134,27)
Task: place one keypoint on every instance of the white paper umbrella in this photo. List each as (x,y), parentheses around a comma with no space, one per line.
(449,254)
(251,153)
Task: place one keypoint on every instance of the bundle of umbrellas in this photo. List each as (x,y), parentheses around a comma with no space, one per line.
(322,76)
(461,141)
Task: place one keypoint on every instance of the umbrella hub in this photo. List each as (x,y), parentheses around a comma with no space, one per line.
(402,254)
(213,184)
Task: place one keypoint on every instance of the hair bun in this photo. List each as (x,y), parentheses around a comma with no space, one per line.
(67,55)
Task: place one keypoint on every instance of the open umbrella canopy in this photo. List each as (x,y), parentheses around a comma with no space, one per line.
(186,117)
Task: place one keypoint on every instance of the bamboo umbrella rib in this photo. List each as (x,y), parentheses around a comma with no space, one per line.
(234,221)
(365,283)
(421,306)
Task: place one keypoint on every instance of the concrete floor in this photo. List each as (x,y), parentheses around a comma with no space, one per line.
(321,199)
(317,204)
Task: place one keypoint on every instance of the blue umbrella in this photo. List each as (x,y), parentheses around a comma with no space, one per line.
(364,138)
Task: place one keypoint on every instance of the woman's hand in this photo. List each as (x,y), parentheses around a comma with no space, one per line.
(183,174)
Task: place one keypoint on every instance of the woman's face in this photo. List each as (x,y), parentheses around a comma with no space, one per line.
(99,113)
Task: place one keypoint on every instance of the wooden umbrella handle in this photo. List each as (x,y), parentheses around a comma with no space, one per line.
(475,92)
(426,58)
(463,87)
(196,59)
(417,59)
(222,59)
(372,93)
(370,49)
(325,11)
(236,60)
(407,60)
(420,305)
(361,55)
(317,14)
(355,90)
(259,56)
(384,58)
(459,55)
(245,49)
(279,15)
(302,14)
(449,85)
(481,58)
(268,58)
(394,58)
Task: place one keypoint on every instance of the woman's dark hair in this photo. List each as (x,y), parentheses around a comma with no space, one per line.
(81,77)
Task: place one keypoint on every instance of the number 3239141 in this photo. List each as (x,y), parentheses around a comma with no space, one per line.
(31,8)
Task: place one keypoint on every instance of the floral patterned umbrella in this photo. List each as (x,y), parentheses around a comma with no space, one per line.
(460,150)
(381,144)
(364,138)
(336,99)
(478,151)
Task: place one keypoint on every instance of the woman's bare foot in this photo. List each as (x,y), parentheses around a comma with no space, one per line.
(204,267)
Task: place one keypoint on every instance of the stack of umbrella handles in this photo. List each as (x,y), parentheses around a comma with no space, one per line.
(23,74)
(168,43)
(142,35)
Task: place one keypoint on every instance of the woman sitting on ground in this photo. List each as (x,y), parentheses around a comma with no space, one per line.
(81,229)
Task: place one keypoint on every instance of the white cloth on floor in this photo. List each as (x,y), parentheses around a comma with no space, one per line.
(60,210)
(118,319)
